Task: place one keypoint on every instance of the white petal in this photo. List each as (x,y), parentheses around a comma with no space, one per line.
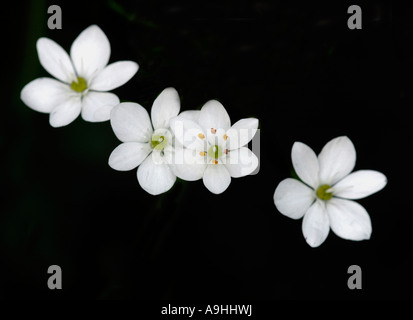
(103,113)
(360,184)
(66,112)
(189,165)
(213,115)
(293,198)
(128,155)
(114,75)
(93,101)
(44,94)
(164,156)
(305,164)
(188,133)
(55,60)
(216,178)
(348,219)
(155,178)
(90,52)
(336,160)
(190,115)
(130,122)
(316,224)
(217,137)
(241,162)
(241,133)
(165,107)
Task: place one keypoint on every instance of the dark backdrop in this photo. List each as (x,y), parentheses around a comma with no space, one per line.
(293,65)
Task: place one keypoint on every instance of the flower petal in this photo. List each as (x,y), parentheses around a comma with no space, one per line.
(191,115)
(241,133)
(44,94)
(348,219)
(213,115)
(128,155)
(55,60)
(305,164)
(164,108)
(189,165)
(216,178)
(188,133)
(93,101)
(336,160)
(217,138)
(360,184)
(293,198)
(90,52)
(114,75)
(103,113)
(316,225)
(66,112)
(130,122)
(241,162)
(155,178)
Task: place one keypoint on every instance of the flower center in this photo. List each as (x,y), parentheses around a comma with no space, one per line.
(80,85)
(158,142)
(323,192)
(215,152)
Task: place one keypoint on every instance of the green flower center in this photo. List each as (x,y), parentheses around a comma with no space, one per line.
(322,192)
(80,85)
(215,152)
(158,142)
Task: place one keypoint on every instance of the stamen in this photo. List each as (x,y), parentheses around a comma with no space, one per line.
(215,161)
(201,136)
(202,153)
(214,152)
(324,192)
(158,142)
(225,137)
(213,130)
(226,151)
(80,85)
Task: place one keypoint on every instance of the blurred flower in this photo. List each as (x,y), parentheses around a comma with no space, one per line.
(212,149)
(82,79)
(150,148)
(323,195)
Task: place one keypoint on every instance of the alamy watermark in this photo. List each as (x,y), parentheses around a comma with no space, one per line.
(55,280)
(354,281)
(55,20)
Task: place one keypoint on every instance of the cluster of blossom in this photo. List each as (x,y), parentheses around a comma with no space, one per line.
(196,144)
(191,145)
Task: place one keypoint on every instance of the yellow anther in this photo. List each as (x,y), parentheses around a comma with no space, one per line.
(201,136)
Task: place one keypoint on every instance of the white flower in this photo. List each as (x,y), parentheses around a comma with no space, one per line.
(82,79)
(323,196)
(213,150)
(150,148)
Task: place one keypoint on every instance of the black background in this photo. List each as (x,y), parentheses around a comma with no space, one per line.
(293,65)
